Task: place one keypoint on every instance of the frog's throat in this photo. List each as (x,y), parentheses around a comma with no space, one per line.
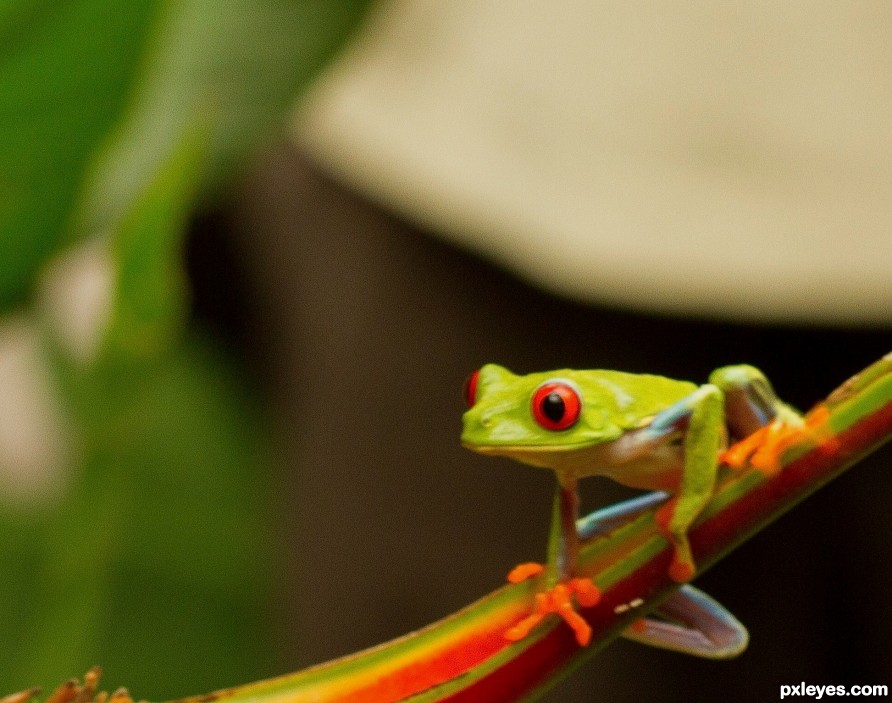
(557,457)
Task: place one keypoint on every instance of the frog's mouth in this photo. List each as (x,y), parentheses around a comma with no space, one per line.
(556,457)
(525,448)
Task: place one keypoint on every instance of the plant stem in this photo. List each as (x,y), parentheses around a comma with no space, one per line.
(465,658)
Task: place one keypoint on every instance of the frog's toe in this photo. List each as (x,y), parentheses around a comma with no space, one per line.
(682,568)
(525,571)
(524,627)
(737,456)
(587,593)
(561,597)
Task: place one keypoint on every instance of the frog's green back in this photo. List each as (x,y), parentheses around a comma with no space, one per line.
(628,397)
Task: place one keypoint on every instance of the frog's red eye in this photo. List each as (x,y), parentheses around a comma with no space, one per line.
(470,391)
(556,405)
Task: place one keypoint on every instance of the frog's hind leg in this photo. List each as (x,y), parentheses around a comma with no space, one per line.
(603,521)
(693,623)
(754,414)
(750,401)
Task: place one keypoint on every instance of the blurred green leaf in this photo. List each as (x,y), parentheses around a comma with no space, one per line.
(66,71)
(94,94)
(239,65)
(158,565)
(147,249)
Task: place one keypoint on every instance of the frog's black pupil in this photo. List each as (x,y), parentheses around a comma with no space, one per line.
(553,407)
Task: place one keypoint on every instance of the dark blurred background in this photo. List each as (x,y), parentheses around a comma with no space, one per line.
(361,329)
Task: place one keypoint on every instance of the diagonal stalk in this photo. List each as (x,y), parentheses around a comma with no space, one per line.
(464,658)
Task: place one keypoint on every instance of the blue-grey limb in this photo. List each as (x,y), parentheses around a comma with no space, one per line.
(688,621)
(693,623)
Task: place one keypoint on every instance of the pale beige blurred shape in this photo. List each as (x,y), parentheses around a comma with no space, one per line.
(76,297)
(732,160)
(37,444)
(35,437)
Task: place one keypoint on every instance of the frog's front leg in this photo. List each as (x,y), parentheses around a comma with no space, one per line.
(561,587)
(563,538)
(703,412)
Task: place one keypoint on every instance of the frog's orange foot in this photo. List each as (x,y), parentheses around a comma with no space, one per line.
(764,448)
(738,454)
(559,600)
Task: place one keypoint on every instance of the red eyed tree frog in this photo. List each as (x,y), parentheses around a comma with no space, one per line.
(642,431)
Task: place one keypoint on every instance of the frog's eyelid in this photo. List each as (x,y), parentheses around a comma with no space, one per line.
(566,382)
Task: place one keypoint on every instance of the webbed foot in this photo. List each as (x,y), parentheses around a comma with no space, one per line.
(558,600)
(765,447)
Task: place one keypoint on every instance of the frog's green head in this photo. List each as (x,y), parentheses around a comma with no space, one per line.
(540,418)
